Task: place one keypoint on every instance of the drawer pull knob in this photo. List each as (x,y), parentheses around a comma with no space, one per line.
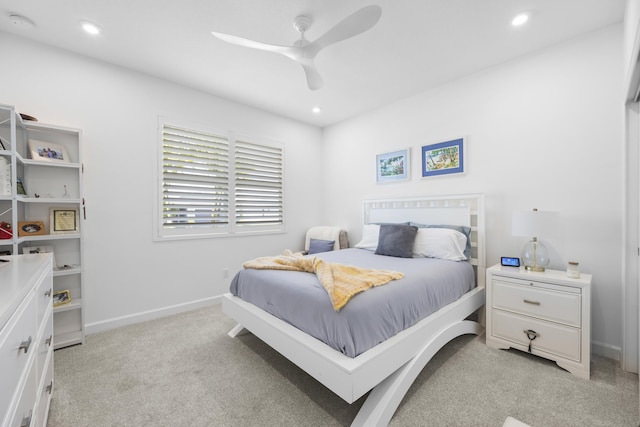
(532,335)
(24,345)
(528,301)
(49,340)
(47,293)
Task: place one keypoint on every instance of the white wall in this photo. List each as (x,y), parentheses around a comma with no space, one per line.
(126,272)
(545,131)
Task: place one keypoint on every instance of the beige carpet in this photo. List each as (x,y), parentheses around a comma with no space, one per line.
(184,370)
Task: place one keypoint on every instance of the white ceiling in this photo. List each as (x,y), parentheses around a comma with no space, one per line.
(416,45)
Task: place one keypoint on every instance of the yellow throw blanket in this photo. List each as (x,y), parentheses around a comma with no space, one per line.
(340,281)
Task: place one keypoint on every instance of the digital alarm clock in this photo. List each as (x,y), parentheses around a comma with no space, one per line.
(510,261)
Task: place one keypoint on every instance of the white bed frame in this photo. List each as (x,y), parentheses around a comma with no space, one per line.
(388,369)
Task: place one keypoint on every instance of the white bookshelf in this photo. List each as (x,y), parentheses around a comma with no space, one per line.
(53,186)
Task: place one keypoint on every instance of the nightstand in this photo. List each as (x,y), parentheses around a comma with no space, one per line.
(544,313)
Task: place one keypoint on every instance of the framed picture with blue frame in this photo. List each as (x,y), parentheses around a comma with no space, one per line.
(393,166)
(443,158)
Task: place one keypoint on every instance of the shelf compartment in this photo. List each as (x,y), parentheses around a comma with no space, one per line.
(75,304)
(67,339)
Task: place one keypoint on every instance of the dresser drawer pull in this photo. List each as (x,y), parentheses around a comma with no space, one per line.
(49,340)
(47,293)
(49,388)
(24,345)
(528,301)
(532,335)
(26,421)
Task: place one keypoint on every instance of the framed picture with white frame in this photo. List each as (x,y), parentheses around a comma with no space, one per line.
(393,166)
(443,158)
(48,152)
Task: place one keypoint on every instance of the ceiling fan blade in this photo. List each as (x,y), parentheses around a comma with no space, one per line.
(292,52)
(314,81)
(354,24)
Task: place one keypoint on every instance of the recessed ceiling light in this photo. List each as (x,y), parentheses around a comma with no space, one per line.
(316,110)
(519,19)
(20,21)
(90,27)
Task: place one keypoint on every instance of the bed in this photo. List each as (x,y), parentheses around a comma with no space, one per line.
(388,368)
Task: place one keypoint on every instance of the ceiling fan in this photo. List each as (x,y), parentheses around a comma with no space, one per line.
(303,51)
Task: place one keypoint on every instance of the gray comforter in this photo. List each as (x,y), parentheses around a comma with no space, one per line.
(371,316)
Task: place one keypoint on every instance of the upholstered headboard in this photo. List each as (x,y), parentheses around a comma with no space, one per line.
(457,209)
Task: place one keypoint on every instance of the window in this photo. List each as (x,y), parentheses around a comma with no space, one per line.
(213,184)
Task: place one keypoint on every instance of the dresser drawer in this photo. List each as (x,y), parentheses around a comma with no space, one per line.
(24,413)
(13,360)
(46,389)
(553,338)
(545,304)
(45,346)
(44,295)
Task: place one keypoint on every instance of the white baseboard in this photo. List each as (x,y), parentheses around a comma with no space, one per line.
(105,325)
(606,350)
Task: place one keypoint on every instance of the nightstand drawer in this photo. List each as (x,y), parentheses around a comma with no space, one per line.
(552,338)
(541,303)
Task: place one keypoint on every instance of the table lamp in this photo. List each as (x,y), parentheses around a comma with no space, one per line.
(534,255)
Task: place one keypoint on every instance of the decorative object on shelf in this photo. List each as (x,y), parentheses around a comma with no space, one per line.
(28,118)
(20,190)
(31,228)
(48,151)
(573,270)
(40,249)
(61,298)
(5,177)
(443,158)
(6,232)
(534,255)
(63,220)
(393,166)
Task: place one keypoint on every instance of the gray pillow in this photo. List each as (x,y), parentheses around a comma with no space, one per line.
(461,228)
(396,240)
(317,246)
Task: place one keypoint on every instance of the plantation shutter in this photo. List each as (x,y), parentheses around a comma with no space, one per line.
(195,179)
(258,184)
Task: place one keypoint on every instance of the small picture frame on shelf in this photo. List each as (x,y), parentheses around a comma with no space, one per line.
(41,249)
(31,228)
(64,220)
(48,152)
(20,190)
(61,298)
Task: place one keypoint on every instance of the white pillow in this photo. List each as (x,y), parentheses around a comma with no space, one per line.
(370,233)
(442,243)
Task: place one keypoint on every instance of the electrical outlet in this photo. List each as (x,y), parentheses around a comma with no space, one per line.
(225,273)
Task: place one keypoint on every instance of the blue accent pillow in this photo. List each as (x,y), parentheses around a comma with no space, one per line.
(461,228)
(396,240)
(317,246)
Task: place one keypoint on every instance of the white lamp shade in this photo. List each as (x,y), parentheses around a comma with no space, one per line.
(534,223)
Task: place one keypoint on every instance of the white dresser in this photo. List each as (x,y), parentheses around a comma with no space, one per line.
(544,313)
(26,339)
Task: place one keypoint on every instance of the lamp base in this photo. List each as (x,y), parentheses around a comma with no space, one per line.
(534,256)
